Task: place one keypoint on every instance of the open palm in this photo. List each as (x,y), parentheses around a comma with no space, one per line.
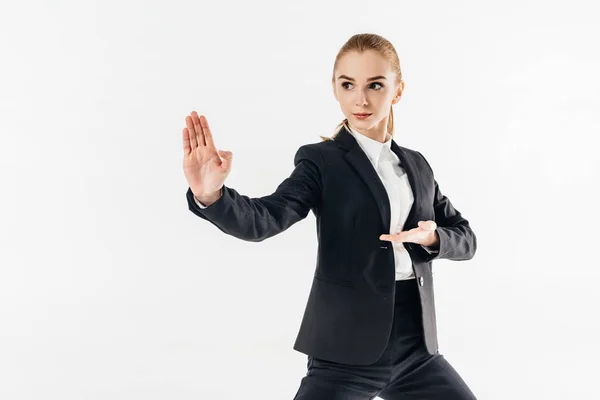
(205,167)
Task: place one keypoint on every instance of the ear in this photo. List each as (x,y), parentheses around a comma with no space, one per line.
(398,93)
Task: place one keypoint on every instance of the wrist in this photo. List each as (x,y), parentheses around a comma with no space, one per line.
(435,240)
(207,200)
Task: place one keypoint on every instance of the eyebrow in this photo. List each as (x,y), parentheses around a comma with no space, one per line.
(368,80)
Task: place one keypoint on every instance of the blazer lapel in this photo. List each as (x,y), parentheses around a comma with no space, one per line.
(361,163)
(414,178)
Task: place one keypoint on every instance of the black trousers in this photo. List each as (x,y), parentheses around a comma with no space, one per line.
(405,370)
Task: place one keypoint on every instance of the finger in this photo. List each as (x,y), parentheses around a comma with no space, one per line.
(391,238)
(187,149)
(198,128)
(207,132)
(427,225)
(191,132)
(226,159)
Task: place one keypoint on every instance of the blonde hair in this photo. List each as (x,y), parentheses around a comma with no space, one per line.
(362,42)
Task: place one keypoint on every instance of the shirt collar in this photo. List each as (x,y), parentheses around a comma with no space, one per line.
(372,148)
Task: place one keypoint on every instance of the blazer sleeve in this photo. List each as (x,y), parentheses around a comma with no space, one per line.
(457,239)
(258,218)
(430,249)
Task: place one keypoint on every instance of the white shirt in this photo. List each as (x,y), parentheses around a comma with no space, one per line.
(395,180)
(387,165)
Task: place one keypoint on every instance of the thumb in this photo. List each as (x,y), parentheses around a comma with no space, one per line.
(226,156)
(427,225)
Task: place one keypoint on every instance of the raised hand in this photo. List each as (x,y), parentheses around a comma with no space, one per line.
(205,167)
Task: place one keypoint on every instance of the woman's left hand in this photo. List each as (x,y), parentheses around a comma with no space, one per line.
(424,234)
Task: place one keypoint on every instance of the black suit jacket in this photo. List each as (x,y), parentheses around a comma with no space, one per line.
(349,312)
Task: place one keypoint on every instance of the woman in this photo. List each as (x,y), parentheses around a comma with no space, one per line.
(369,327)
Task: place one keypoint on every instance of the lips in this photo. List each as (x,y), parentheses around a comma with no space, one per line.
(362,114)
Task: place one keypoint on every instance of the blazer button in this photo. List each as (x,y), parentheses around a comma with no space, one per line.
(421,281)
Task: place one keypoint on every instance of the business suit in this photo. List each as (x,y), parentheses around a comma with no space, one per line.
(349,313)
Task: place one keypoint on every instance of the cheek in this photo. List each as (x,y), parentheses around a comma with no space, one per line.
(384,101)
(346,102)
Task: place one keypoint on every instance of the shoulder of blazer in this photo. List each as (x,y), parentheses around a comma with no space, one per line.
(317,153)
(315,168)
(311,152)
(424,159)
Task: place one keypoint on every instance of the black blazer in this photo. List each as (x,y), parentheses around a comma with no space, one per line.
(348,316)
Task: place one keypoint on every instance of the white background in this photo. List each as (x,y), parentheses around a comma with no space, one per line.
(110,288)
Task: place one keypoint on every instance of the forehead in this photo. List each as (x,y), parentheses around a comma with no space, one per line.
(361,66)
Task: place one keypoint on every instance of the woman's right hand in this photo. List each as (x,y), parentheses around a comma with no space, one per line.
(205,167)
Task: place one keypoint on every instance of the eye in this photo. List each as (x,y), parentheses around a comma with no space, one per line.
(374,83)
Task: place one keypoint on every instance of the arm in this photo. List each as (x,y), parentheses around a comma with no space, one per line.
(457,241)
(256,219)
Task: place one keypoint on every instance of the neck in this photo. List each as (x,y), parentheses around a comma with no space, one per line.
(376,133)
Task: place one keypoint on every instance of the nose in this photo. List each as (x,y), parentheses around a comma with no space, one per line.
(361,98)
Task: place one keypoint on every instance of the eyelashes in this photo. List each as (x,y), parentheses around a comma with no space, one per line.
(374,83)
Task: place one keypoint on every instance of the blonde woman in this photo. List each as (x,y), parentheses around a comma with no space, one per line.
(369,328)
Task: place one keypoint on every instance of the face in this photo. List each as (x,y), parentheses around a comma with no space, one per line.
(356,92)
